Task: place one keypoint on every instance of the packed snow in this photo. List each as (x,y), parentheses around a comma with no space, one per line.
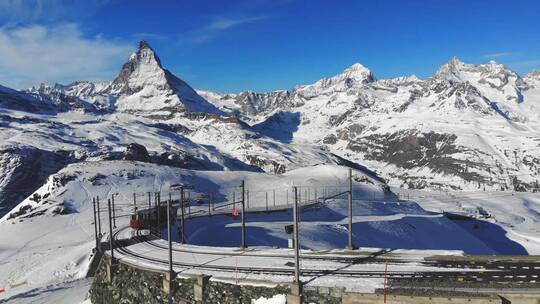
(43,246)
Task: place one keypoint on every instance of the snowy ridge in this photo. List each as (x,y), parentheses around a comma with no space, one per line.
(469,126)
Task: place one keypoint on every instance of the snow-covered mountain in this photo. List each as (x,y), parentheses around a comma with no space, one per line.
(146,111)
(469,126)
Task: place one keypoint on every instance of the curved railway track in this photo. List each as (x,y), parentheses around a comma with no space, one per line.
(513,274)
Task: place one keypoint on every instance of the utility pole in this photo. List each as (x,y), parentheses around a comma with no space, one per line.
(171,271)
(110,232)
(95,224)
(182,197)
(350,246)
(242,185)
(296,239)
(113,212)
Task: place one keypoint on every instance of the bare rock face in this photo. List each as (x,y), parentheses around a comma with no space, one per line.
(136,152)
(24,169)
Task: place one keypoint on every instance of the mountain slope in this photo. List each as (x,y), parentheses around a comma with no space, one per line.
(467,127)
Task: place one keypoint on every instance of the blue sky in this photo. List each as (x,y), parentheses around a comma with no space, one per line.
(230,46)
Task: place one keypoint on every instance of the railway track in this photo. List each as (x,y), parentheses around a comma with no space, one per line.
(516,274)
(373,257)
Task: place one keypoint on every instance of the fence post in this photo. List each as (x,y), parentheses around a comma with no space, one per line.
(182,227)
(95,224)
(242,185)
(296,239)
(350,246)
(110,232)
(171,271)
(113,211)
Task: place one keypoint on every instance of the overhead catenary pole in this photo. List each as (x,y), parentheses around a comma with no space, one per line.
(113,211)
(169,236)
(242,186)
(182,227)
(99,217)
(209,203)
(110,231)
(158,204)
(149,202)
(134,202)
(296,239)
(95,224)
(350,246)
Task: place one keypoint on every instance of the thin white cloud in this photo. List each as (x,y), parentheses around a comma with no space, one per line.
(38,11)
(214,28)
(500,55)
(60,53)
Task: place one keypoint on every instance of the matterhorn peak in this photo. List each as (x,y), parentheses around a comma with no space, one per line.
(142,68)
(144,45)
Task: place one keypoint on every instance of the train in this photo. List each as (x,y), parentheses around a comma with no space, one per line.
(155,217)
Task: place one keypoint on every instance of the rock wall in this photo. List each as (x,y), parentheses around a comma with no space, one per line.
(125,284)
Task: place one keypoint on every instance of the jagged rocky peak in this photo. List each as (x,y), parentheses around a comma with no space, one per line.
(143,67)
(533,78)
(534,74)
(143,85)
(355,75)
(451,70)
(359,73)
(457,70)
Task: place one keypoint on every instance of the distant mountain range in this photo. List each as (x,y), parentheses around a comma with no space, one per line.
(467,127)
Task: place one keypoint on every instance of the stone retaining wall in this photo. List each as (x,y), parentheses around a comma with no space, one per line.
(123,283)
